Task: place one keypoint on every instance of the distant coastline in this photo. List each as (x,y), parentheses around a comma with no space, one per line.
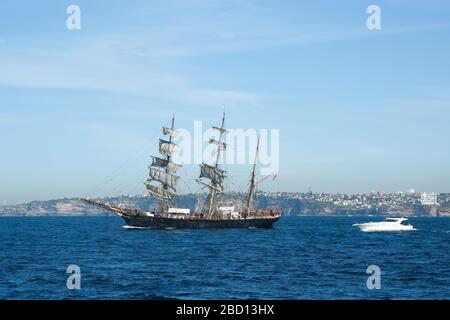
(291,204)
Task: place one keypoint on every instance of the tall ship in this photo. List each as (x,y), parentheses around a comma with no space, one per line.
(162,184)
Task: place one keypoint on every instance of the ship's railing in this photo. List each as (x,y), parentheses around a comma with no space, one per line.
(267,212)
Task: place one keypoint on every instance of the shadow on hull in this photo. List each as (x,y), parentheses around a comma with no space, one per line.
(173,223)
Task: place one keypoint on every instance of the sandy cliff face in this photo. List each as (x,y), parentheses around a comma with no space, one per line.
(64,207)
(444,213)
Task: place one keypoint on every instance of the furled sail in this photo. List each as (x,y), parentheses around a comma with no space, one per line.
(213,173)
(170,132)
(221,130)
(160,193)
(219,144)
(216,175)
(167,148)
(163,170)
(165,178)
(163,163)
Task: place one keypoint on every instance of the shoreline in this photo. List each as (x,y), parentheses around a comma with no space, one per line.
(282,216)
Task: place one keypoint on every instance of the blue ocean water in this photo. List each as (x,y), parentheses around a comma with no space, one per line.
(301,258)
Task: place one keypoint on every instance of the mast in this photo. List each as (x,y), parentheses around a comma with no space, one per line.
(163,170)
(213,172)
(252,189)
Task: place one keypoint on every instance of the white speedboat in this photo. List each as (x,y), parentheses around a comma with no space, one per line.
(391,224)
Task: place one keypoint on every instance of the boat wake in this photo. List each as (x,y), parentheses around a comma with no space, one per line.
(145,228)
(372,231)
(137,228)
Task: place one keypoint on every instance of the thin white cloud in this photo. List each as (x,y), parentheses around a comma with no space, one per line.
(85,70)
(183,29)
(154,58)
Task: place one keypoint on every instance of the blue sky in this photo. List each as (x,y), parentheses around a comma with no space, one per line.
(358,110)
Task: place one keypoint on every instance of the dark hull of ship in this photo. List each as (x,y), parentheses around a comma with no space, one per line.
(174,223)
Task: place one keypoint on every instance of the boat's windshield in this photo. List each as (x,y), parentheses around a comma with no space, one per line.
(404,223)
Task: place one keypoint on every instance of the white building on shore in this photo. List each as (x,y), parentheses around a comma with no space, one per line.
(429,199)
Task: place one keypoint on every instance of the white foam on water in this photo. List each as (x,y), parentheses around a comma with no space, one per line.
(387,231)
(139,228)
(146,228)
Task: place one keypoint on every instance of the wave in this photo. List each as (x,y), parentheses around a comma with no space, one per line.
(139,228)
(146,228)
